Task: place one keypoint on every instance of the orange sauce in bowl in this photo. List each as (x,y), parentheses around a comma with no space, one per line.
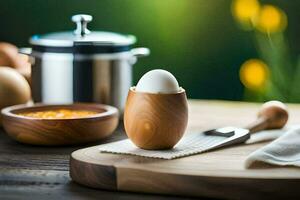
(59,114)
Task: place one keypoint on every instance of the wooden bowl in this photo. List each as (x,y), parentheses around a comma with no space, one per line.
(50,132)
(155,121)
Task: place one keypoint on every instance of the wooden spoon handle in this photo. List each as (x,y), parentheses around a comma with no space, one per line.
(272,115)
(259,124)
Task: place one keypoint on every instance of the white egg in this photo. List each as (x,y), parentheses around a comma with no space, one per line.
(158,81)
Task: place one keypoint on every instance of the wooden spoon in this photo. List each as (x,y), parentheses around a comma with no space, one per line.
(272,115)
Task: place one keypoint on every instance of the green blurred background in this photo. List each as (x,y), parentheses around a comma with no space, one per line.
(197,40)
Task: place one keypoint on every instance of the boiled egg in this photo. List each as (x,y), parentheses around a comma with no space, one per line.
(158,81)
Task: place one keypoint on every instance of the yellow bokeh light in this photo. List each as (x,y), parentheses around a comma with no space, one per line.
(245,11)
(254,74)
(270,19)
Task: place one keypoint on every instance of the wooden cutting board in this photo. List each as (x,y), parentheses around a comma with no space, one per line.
(219,174)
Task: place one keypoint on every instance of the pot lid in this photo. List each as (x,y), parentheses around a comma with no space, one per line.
(82,36)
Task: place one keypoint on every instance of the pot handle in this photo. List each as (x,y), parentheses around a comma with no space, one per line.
(25,50)
(140,52)
(28,52)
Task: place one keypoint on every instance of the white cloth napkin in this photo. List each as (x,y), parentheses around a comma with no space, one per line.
(192,143)
(285,150)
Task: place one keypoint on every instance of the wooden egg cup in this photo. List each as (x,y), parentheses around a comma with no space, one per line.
(155,121)
(52,132)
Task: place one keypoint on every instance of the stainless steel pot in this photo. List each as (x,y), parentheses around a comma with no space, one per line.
(83,66)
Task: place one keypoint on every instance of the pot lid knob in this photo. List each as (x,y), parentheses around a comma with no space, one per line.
(81,21)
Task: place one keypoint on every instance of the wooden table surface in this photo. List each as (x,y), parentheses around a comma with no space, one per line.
(31,172)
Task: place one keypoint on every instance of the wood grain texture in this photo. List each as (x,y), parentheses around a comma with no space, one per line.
(39,172)
(106,173)
(50,184)
(155,121)
(59,131)
(217,174)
